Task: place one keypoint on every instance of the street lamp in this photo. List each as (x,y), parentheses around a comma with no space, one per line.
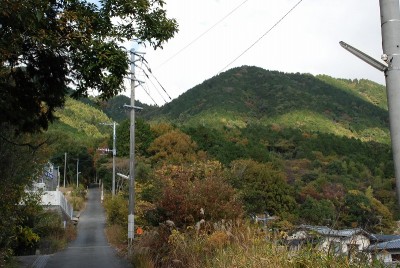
(123,176)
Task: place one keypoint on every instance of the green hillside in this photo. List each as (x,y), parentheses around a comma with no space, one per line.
(114,107)
(290,144)
(247,95)
(327,138)
(80,121)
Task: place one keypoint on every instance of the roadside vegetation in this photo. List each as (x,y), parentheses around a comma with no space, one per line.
(76,197)
(195,211)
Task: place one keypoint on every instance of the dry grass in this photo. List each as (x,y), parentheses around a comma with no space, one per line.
(77,202)
(226,245)
(117,237)
(223,244)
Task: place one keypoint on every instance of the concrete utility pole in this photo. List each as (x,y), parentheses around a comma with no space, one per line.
(390,27)
(114,155)
(113,124)
(77,173)
(65,167)
(58,178)
(131,219)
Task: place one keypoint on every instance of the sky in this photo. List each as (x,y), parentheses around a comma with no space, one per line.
(305,41)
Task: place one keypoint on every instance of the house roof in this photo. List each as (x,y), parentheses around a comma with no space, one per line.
(388,245)
(326,231)
(378,238)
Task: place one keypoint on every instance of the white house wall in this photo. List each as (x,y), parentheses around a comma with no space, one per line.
(360,240)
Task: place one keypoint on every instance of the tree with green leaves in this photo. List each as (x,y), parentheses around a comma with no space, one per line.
(262,187)
(47,46)
(21,161)
(144,136)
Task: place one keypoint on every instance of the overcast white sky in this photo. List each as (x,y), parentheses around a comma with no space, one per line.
(306,41)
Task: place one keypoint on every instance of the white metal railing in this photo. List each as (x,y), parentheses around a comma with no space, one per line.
(57,198)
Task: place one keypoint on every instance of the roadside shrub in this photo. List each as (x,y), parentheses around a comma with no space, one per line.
(79,192)
(77,202)
(53,236)
(116,210)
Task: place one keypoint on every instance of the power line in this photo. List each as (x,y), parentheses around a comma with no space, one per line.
(143,72)
(148,68)
(161,86)
(148,92)
(201,35)
(258,40)
(158,91)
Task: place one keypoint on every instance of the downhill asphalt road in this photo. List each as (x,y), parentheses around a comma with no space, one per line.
(90,248)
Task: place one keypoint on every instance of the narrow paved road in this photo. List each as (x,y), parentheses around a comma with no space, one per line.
(90,249)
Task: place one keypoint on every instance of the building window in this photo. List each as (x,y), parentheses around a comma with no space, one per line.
(396,257)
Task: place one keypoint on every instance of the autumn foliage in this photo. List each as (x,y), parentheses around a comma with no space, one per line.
(196,192)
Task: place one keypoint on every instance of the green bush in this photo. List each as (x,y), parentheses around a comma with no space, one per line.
(116,210)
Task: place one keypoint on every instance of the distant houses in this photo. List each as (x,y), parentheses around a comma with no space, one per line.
(385,248)
(353,243)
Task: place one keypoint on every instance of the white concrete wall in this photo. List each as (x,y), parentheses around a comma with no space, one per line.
(56,198)
(51,198)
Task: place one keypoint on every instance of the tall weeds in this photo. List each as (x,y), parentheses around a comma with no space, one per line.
(225,245)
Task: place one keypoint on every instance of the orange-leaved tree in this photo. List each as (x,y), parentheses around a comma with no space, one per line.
(194,192)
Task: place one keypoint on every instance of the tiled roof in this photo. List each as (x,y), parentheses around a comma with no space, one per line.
(324,230)
(378,238)
(394,244)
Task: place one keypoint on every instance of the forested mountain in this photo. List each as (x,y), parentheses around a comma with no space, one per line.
(114,107)
(248,95)
(310,148)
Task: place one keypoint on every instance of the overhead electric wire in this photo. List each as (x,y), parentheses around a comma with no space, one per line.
(159,93)
(148,93)
(270,29)
(144,62)
(142,74)
(162,87)
(148,68)
(145,87)
(201,35)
